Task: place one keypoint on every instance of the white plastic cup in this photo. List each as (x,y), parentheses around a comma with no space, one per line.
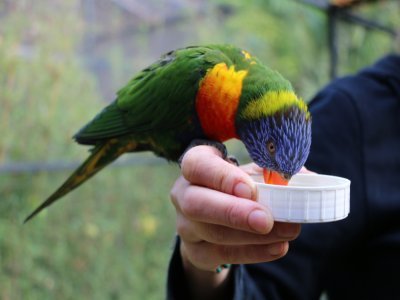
(309,198)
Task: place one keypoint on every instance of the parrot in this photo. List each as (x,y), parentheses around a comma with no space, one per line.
(199,95)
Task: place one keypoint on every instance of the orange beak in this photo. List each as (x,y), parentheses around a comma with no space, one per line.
(272,177)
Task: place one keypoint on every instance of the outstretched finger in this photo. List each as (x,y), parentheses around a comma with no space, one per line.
(208,206)
(221,235)
(204,166)
(207,256)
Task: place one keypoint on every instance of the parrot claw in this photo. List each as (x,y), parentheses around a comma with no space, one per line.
(233,160)
(219,146)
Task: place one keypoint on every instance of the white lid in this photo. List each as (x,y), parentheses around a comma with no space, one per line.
(309,198)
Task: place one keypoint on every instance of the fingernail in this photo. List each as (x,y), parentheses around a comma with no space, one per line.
(243,190)
(258,221)
(275,249)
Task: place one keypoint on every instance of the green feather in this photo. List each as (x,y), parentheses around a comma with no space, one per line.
(160,99)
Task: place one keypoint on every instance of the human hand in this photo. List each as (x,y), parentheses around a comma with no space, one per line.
(218,220)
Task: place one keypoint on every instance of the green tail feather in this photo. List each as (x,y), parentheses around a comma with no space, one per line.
(101,156)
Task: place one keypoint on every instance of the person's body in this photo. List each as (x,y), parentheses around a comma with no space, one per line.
(356,134)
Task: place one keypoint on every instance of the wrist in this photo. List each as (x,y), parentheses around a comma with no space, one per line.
(204,283)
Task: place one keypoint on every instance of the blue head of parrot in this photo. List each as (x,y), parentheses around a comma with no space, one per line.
(279,143)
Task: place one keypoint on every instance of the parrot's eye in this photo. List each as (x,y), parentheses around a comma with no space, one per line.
(271,147)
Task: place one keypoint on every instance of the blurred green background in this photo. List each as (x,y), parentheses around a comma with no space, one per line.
(61,62)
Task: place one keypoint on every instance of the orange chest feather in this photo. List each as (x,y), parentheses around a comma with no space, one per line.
(217,101)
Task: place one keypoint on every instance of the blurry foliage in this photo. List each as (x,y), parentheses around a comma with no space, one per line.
(60,62)
(45,93)
(111,239)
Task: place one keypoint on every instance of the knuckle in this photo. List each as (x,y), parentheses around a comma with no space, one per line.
(199,254)
(223,178)
(173,196)
(181,227)
(186,231)
(191,165)
(189,205)
(233,216)
(177,191)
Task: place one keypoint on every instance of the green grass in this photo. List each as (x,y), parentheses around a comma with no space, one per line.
(110,239)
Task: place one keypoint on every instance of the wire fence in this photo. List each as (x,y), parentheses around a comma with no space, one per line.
(19,168)
(336,13)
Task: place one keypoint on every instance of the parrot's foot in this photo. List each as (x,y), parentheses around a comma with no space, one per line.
(219,146)
(233,160)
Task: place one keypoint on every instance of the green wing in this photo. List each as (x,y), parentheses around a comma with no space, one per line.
(159,98)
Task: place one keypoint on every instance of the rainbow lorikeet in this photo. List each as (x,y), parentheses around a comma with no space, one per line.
(212,93)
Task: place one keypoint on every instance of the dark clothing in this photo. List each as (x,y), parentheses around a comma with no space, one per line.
(356,134)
